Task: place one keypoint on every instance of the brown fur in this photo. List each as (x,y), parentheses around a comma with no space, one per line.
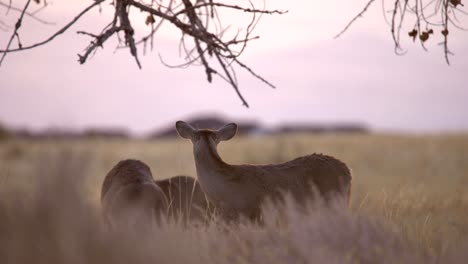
(129,194)
(241,189)
(186,199)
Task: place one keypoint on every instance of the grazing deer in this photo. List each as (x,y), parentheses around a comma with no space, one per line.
(186,199)
(240,189)
(129,195)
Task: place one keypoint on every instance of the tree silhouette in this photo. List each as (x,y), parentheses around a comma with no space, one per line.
(202,35)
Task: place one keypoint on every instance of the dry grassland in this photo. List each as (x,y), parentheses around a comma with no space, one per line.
(409,203)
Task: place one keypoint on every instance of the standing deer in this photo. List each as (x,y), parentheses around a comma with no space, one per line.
(129,195)
(240,189)
(186,199)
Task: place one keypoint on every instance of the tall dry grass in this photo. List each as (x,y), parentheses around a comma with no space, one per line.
(409,204)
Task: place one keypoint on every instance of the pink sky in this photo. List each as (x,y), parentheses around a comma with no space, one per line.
(356,78)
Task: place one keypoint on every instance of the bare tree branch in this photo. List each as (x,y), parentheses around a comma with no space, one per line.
(192,18)
(424,23)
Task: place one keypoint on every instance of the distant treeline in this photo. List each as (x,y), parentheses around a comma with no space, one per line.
(255,128)
(211,122)
(72,134)
(57,133)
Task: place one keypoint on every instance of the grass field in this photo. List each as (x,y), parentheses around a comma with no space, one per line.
(409,203)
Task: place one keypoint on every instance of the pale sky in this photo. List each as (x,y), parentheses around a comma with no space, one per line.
(356,78)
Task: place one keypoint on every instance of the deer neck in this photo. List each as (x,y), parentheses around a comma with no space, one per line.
(206,155)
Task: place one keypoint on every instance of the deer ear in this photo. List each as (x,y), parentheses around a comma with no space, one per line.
(185,130)
(227,132)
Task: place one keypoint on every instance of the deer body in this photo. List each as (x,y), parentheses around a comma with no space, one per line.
(240,189)
(130,196)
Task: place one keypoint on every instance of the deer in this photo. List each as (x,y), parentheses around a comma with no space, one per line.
(187,201)
(239,190)
(130,197)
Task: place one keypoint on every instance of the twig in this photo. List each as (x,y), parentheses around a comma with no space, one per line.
(195,22)
(31,15)
(402,18)
(98,42)
(231,81)
(15,32)
(61,31)
(127,28)
(394,37)
(8,7)
(248,10)
(255,74)
(446,50)
(354,19)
